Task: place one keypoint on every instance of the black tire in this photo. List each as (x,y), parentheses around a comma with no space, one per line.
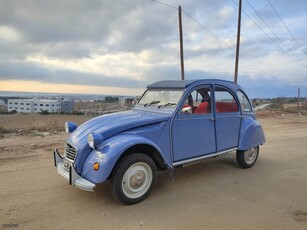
(247,158)
(140,171)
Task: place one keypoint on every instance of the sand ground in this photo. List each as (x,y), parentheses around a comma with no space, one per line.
(213,194)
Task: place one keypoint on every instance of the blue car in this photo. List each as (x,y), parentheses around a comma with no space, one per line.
(174,123)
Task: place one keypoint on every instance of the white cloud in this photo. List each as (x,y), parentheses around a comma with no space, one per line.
(137,41)
(9,34)
(225,13)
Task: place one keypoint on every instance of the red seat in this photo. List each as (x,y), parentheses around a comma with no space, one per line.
(222,107)
(202,108)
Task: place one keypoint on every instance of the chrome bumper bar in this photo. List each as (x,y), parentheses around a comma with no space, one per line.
(72,176)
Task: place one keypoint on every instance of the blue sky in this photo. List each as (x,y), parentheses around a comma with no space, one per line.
(119,47)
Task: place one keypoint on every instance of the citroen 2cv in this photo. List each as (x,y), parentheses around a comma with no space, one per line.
(174,123)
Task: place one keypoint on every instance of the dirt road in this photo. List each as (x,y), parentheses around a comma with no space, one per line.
(214,194)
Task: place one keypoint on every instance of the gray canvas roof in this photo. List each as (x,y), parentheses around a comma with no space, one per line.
(181,84)
(173,84)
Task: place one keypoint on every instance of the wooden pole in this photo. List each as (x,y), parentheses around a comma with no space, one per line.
(298,99)
(238,43)
(181,43)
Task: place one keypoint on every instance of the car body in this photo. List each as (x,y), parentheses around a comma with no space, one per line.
(173,124)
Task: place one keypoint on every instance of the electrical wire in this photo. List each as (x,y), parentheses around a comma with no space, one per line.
(299,45)
(276,36)
(282,50)
(164,4)
(213,35)
(229,47)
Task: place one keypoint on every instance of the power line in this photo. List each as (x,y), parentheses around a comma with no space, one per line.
(284,25)
(276,36)
(264,21)
(164,4)
(212,34)
(269,36)
(217,38)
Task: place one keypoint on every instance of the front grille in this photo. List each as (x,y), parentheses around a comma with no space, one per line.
(70,152)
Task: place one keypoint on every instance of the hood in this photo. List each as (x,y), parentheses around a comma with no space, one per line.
(111,124)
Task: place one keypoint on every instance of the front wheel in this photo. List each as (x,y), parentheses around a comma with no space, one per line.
(133,178)
(247,158)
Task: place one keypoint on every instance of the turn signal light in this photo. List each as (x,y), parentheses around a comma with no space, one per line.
(96,166)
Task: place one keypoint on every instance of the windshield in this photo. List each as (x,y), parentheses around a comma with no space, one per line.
(161,98)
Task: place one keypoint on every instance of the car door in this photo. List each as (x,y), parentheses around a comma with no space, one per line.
(227,119)
(193,131)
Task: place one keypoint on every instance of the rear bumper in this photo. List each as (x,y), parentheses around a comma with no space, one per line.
(72,176)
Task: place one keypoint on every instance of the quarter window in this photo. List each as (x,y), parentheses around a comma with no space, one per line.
(244,102)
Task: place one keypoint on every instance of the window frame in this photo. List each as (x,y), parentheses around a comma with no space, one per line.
(249,102)
(232,93)
(189,92)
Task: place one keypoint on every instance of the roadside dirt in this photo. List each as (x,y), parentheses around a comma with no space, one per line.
(213,194)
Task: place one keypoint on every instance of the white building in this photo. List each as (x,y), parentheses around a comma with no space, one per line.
(33,105)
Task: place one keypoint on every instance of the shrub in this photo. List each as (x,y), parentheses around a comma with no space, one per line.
(44,112)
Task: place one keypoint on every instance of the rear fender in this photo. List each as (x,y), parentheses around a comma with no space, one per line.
(251,134)
(108,154)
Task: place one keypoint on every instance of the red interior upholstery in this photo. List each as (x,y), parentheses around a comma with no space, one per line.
(202,108)
(222,107)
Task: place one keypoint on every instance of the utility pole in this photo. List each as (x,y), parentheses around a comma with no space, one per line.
(298,99)
(238,43)
(181,44)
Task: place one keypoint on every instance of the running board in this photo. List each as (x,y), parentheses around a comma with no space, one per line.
(189,161)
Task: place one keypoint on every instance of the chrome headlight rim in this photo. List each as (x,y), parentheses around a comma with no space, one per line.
(94,140)
(70,127)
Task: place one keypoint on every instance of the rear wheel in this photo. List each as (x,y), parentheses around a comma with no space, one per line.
(133,178)
(247,158)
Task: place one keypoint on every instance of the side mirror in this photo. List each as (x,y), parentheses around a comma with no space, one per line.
(186,110)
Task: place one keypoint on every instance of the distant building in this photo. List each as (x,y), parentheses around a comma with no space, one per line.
(67,106)
(38,105)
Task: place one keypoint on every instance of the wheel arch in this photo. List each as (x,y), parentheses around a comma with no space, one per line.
(251,134)
(146,149)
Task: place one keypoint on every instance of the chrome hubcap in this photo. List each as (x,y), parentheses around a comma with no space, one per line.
(137,180)
(250,155)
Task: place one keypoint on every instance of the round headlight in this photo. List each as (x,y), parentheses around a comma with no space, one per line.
(94,140)
(70,127)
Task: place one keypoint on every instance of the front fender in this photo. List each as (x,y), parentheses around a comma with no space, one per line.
(108,154)
(251,134)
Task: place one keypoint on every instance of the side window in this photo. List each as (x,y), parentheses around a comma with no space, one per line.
(244,102)
(198,102)
(224,101)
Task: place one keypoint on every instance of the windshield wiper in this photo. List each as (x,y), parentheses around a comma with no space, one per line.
(167,104)
(151,103)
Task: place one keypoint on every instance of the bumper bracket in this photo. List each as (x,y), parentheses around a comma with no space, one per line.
(72,176)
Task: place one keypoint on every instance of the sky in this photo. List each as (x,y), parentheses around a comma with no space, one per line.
(119,47)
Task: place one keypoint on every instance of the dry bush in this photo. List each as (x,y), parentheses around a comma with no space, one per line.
(278,103)
(36,122)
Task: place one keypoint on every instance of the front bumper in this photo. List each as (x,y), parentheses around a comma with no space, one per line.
(72,176)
